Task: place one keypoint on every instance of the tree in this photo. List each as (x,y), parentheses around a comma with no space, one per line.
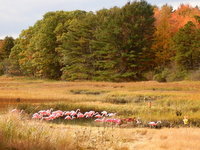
(124,41)
(162,37)
(7,45)
(76,48)
(187,46)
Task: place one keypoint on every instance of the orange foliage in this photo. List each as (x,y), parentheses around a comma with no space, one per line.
(177,18)
(167,23)
(182,15)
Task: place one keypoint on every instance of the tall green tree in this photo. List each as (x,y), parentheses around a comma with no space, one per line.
(187,46)
(76,48)
(105,44)
(124,40)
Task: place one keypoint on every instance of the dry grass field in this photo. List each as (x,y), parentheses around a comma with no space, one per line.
(19,133)
(128,100)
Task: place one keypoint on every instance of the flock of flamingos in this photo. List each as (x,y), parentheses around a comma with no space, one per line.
(103,116)
(70,115)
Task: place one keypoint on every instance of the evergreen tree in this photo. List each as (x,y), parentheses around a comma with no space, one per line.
(123,41)
(76,48)
(187,46)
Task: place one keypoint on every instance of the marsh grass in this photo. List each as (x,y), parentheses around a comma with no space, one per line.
(126,99)
(20,133)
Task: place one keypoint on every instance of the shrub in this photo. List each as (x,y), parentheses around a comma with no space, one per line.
(169,75)
(1,68)
(194,75)
(162,76)
(177,76)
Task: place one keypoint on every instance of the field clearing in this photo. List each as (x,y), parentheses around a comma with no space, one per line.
(128,100)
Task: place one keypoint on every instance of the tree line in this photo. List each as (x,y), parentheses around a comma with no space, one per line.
(135,42)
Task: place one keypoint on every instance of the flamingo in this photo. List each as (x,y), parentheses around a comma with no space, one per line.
(111,114)
(98,116)
(52,117)
(117,121)
(73,113)
(58,112)
(104,113)
(109,120)
(69,118)
(46,118)
(43,112)
(100,120)
(36,116)
(89,114)
(49,111)
(80,115)
(154,124)
(138,121)
(67,113)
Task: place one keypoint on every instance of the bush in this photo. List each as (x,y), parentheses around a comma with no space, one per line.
(177,76)
(162,76)
(1,68)
(169,75)
(10,67)
(194,75)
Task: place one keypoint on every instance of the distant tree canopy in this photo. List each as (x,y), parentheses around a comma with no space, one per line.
(112,44)
(186,42)
(117,44)
(5,47)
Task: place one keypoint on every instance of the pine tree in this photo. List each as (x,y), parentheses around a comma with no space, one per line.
(187,46)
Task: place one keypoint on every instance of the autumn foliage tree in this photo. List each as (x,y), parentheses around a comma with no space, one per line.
(116,44)
(168,22)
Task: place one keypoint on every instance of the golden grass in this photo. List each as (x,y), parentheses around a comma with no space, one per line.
(127,99)
(19,133)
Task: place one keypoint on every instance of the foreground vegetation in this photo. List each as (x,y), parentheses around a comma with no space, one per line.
(19,133)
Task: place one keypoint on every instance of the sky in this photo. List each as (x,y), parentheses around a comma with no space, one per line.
(16,15)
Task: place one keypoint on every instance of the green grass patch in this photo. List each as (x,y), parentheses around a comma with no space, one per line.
(88,92)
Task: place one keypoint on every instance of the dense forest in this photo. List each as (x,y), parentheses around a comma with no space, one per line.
(135,42)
